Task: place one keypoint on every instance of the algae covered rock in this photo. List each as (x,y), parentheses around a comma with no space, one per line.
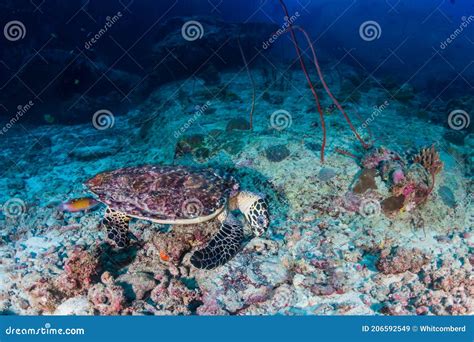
(326,174)
(398,260)
(366,181)
(137,285)
(239,124)
(189,143)
(277,153)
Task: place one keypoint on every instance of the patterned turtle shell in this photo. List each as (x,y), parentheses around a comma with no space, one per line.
(163,193)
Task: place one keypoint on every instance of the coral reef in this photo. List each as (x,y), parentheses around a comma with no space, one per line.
(410,183)
(77,306)
(398,260)
(429,159)
(137,285)
(173,297)
(106,297)
(80,269)
(44,296)
(322,255)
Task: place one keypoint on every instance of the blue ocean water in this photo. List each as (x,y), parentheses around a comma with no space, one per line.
(351,119)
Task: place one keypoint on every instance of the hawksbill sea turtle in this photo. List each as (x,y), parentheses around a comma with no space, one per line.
(179,195)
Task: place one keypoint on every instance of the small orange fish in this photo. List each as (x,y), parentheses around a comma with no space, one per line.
(79,204)
(164,256)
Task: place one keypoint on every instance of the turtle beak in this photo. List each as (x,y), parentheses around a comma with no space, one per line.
(255,209)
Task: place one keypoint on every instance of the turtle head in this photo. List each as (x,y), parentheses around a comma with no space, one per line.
(255,209)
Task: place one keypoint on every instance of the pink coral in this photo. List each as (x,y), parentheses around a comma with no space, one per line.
(398,260)
(398,176)
(107,298)
(174,297)
(374,158)
(79,270)
(408,189)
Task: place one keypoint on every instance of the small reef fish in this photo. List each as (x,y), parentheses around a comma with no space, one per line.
(79,204)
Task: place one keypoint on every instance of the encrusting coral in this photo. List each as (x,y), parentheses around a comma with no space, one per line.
(398,260)
(80,270)
(106,297)
(410,183)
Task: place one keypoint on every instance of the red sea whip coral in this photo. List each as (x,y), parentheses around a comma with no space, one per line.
(251,80)
(311,86)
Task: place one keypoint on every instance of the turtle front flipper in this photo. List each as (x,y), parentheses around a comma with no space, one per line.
(116,224)
(223,246)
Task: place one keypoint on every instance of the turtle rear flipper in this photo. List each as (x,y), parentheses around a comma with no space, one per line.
(222,247)
(116,224)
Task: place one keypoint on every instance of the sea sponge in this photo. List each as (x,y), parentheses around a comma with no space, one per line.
(398,176)
(393,204)
(366,181)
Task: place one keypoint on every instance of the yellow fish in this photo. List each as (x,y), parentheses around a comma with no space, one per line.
(79,204)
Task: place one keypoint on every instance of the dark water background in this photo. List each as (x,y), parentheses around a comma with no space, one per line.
(51,66)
